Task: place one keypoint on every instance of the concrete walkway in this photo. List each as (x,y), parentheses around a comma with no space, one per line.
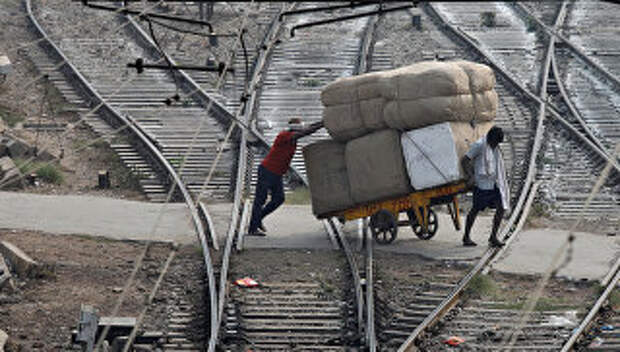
(532,252)
(294,226)
(97,216)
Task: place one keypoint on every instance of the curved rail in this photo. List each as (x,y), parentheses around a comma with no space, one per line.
(527,195)
(554,32)
(583,327)
(237,223)
(557,75)
(143,141)
(551,108)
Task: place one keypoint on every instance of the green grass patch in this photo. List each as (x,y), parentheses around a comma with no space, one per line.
(49,173)
(300,195)
(614,299)
(481,286)
(10,118)
(311,83)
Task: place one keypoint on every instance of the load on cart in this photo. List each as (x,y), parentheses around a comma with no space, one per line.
(397,140)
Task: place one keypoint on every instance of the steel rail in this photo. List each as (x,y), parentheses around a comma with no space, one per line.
(507,232)
(269,43)
(554,32)
(214,107)
(551,108)
(571,107)
(239,213)
(371,336)
(357,281)
(594,311)
(558,78)
(215,307)
(144,143)
(364,66)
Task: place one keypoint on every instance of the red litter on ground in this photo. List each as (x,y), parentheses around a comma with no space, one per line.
(454,341)
(246,282)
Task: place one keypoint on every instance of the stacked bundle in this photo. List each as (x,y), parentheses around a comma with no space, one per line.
(436,102)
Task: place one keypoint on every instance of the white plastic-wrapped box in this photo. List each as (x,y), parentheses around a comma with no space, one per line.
(433,154)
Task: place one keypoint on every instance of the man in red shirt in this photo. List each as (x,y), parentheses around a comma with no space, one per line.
(270,172)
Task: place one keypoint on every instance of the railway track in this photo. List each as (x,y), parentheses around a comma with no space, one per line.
(467,320)
(184,135)
(244,319)
(598,331)
(285,315)
(76,84)
(576,76)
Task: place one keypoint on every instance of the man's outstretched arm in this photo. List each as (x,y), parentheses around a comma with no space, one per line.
(309,130)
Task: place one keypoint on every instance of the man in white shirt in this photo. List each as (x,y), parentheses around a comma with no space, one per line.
(483,164)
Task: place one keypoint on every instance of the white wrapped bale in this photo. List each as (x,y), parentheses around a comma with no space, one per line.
(344,122)
(433,154)
(327,176)
(376,167)
(430,156)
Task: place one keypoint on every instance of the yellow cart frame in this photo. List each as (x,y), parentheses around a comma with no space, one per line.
(419,202)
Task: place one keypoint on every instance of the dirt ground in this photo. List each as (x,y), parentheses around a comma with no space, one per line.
(397,274)
(41,312)
(282,265)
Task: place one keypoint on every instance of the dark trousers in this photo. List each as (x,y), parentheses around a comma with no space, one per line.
(267,182)
(485,199)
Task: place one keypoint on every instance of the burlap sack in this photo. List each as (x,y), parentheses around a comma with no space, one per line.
(482,128)
(348,90)
(376,167)
(341,91)
(327,176)
(372,114)
(485,105)
(481,77)
(344,122)
(425,79)
(411,114)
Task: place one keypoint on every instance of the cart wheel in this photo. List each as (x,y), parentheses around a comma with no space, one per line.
(433,224)
(383,226)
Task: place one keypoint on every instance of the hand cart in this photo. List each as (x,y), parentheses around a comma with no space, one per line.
(384,214)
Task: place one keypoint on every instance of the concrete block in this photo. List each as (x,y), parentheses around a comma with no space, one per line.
(22,264)
(5,274)
(5,65)
(17,148)
(4,337)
